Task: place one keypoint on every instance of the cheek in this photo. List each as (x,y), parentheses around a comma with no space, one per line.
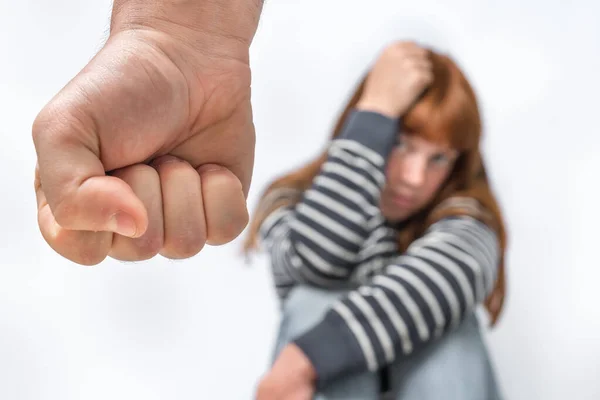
(434,182)
(393,167)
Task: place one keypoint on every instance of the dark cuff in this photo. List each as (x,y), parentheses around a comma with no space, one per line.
(376,131)
(332,349)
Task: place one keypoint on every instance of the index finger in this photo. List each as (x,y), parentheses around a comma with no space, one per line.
(82,247)
(77,191)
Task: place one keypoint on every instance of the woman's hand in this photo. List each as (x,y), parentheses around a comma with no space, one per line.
(398,78)
(291,377)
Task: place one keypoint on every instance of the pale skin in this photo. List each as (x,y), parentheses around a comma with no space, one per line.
(416,170)
(150,148)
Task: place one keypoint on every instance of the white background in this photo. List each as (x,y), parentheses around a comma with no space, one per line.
(202,328)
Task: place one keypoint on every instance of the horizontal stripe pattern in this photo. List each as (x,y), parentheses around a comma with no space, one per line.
(424,292)
(325,232)
(335,236)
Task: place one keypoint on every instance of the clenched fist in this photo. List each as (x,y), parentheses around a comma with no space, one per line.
(150,148)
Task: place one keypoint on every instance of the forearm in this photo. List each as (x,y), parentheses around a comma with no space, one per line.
(318,240)
(424,294)
(201,23)
(341,208)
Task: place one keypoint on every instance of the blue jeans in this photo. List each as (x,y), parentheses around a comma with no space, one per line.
(455,367)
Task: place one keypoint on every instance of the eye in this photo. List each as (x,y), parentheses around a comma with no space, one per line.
(400,144)
(440,159)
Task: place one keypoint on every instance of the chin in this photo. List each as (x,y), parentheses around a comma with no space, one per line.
(396,218)
(394,212)
(395,215)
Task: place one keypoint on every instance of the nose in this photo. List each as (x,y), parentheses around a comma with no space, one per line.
(414,171)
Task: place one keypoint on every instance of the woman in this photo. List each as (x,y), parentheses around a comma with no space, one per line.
(383,247)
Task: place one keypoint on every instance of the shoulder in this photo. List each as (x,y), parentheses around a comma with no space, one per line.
(277,198)
(465,233)
(461,205)
(458,223)
(469,208)
(273,208)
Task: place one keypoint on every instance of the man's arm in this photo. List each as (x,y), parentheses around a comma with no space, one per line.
(195,21)
(165,104)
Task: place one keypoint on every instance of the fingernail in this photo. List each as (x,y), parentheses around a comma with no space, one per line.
(123,224)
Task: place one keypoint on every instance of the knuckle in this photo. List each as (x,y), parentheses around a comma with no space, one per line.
(189,249)
(228,231)
(48,122)
(140,249)
(147,247)
(39,124)
(84,248)
(90,258)
(225,207)
(43,120)
(150,246)
(62,120)
(64,213)
(185,246)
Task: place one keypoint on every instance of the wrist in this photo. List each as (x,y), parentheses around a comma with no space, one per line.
(301,364)
(377,106)
(213,26)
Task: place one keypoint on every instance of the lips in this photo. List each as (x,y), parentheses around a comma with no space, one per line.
(401,200)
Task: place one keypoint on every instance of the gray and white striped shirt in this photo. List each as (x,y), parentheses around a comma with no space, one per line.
(336,237)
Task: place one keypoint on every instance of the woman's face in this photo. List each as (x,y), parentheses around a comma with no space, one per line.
(416,170)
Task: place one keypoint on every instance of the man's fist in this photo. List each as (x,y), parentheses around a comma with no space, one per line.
(149,149)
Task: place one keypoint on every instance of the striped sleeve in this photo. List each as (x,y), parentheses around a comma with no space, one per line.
(425,293)
(318,240)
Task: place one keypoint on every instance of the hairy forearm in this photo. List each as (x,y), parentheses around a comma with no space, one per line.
(232,19)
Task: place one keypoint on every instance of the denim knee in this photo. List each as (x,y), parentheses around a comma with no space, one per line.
(456,367)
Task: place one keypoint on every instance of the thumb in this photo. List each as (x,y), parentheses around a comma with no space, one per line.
(73,180)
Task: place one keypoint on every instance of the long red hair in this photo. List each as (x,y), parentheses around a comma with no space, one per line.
(447,112)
